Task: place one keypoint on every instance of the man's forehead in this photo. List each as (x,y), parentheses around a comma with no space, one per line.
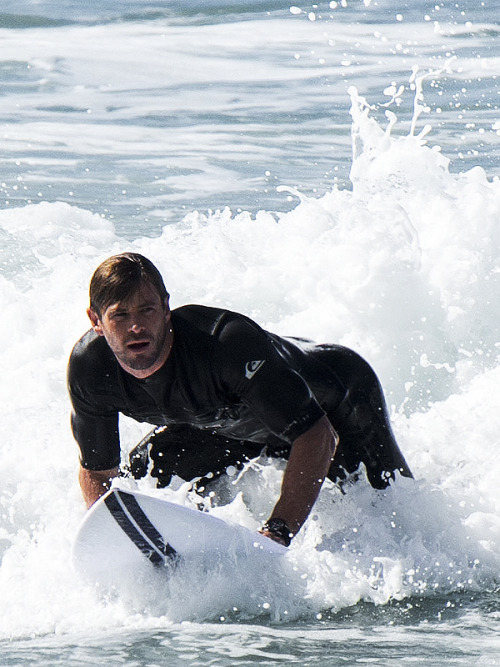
(144,294)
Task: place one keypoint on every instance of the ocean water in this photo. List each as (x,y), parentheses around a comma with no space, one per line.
(330,169)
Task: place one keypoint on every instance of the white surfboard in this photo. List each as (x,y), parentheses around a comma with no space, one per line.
(126,530)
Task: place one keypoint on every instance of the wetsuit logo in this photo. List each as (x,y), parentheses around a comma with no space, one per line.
(252,367)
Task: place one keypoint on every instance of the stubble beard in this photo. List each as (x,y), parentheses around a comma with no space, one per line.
(141,362)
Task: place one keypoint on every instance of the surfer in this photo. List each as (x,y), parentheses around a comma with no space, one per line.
(220,391)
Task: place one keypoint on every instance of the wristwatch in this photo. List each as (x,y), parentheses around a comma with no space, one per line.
(279,528)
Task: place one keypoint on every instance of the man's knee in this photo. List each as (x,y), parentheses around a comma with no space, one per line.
(362,422)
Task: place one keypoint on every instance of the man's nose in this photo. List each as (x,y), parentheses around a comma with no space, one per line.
(136,325)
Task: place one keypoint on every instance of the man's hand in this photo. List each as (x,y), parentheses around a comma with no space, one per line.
(307,467)
(95,483)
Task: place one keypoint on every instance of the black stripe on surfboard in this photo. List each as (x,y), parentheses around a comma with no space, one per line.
(145,525)
(128,514)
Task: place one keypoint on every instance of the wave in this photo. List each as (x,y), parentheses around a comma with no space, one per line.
(402,268)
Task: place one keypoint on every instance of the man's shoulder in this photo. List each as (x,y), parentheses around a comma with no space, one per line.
(90,355)
(89,344)
(206,320)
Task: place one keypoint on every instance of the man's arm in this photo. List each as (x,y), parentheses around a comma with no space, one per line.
(307,467)
(95,483)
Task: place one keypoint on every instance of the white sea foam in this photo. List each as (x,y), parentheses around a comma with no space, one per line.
(404,269)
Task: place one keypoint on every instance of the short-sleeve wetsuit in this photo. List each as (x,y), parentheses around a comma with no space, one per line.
(227,389)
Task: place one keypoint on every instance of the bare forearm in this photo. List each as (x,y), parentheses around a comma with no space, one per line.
(305,472)
(95,483)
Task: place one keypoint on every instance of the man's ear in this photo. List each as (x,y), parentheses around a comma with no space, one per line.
(96,322)
(167,307)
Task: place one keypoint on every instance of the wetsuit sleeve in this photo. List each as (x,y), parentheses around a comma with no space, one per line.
(261,377)
(93,422)
(97,437)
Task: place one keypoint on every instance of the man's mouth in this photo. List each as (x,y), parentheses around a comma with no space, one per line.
(138,346)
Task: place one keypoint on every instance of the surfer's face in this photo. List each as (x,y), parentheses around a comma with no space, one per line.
(137,330)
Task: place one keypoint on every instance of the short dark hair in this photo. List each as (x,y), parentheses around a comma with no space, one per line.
(119,276)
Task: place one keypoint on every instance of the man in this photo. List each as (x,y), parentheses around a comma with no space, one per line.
(220,389)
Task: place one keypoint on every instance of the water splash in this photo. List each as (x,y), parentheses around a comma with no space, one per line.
(403,268)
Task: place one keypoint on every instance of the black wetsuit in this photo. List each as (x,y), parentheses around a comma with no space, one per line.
(227,389)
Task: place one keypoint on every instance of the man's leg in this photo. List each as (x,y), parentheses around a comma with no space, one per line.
(361,421)
(189,453)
